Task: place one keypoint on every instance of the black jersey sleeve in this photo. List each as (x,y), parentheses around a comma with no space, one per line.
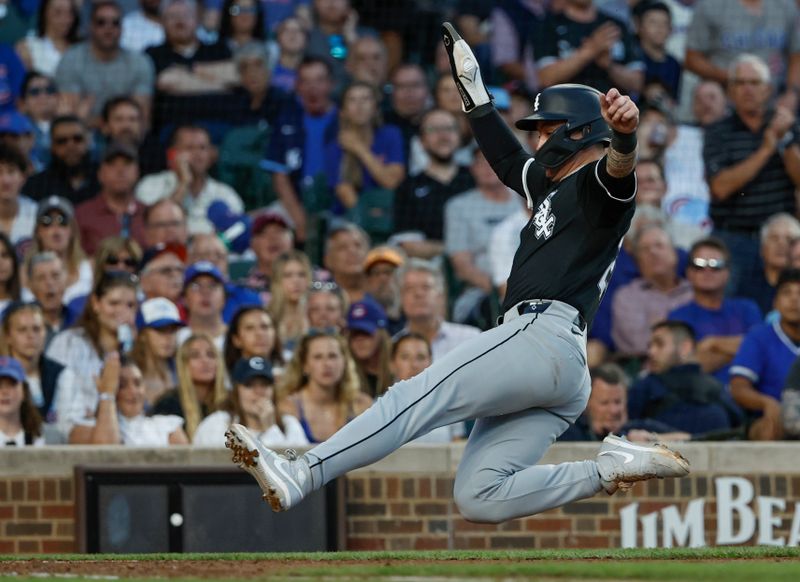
(603,197)
(512,164)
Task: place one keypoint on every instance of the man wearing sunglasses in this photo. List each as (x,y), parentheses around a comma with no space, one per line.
(70,173)
(92,72)
(719,323)
(115,210)
(39,102)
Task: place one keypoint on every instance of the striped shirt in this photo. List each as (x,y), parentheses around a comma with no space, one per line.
(729,142)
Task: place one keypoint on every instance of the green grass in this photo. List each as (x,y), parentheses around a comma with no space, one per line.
(727,564)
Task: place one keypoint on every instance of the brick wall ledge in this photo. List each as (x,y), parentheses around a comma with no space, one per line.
(719,458)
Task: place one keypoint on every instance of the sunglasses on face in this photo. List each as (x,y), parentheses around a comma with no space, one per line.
(101,22)
(51,219)
(129,262)
(76,138)
(713,264)
(323,286)
(36,91)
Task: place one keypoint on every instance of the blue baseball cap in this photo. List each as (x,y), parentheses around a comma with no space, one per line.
(367,316)
(248,368)
(202,268)
(158,312)
(11,368)
(15,123)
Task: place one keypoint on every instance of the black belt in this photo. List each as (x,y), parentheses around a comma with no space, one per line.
(526,307)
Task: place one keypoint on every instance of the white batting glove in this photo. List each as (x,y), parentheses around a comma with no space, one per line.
(466,72)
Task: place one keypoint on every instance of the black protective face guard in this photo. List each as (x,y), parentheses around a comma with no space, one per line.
(559,147)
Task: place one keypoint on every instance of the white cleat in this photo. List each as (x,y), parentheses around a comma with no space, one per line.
(621,463)
(283,479)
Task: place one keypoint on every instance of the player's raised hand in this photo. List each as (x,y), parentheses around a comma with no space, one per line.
(619,111)
(466,71)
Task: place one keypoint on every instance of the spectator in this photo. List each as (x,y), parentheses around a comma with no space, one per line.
(511,49)
(776,235)
(409,100)
(256,100)
(370,346)
(709,103)
(503,244)
(242,22)
(70,173)
(381,266)
(422,296)
(290,283)
(582,45)
(718,323)
(188,181)
(368,62)
(97,69)
(321,385)
(333,34)
(57,231)
(650,184)
(759,370)
(114,254)
(20,422)
(366,155)
(346,248)
(607,413)
(201,383)
(162,271)
(253,402)
(10,286)
(83,347)
(120,416)
(155,347)
(649,298)
(24,336)
(47,280)
(270,237)
(142,28)
(165,222)
(17,212)
(12,74)
(57,25)
(411,355)
(38,102)
(204,297)
(252,334)
(794,255)
(446,97)
(469,220)
(752,163)
(192,78)
(326,306)
(114,211)
(420,199)
(654,27)
(676,391)
(767,30)
(296,149)
(122,121)
(292,39)
(17,132)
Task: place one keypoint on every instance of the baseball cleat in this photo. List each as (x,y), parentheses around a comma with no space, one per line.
(282,478)
(466,72)
(621,463)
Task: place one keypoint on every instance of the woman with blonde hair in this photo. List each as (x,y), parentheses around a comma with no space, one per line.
(321,385)
(57,231)
(201,383)
(291,278)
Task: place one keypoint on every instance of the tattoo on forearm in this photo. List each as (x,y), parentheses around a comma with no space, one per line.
(619,165)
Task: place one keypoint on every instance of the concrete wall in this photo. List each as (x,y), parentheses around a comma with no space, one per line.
(737,493)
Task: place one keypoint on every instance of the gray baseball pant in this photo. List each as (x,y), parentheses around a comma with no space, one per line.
(525,381)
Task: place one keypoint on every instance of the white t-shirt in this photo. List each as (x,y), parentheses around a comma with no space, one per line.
(211,432)
(25,221)
(18,440)
(144,431)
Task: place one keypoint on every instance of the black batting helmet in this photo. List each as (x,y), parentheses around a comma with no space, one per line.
(576,105)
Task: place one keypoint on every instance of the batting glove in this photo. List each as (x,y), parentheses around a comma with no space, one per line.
(466,71)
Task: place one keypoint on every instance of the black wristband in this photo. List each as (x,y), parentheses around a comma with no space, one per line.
(623,143)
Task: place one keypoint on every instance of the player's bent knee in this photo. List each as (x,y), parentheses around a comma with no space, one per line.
(473,508)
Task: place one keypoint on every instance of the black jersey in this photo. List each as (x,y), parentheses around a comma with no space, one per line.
(568,248)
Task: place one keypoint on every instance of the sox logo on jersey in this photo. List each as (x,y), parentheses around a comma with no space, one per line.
(544,221)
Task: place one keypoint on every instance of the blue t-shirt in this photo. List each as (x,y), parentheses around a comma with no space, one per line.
(764,358)
(12,73)
(667,72)
(387,145)
(735,317)
(315,128)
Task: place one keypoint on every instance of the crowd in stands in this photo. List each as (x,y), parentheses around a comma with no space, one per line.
(273,211)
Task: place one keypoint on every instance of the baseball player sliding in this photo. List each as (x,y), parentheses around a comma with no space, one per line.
(526,380)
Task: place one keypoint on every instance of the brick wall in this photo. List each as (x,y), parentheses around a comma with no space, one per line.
(37,515)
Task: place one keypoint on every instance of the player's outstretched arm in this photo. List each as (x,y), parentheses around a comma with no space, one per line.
(622,116)
(502,150)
